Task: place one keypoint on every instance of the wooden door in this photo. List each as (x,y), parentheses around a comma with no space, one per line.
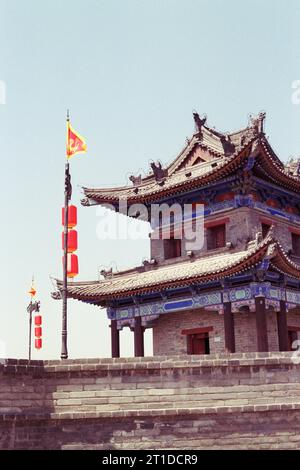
(292,336)
(198,345)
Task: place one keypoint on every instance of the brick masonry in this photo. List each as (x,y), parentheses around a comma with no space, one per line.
(168,339)
(167,336)
(243,225)
(237,401)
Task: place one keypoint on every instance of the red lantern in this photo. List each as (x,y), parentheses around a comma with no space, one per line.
(72,216)
(38,331)
(72,265)
(38,343)
(72,241)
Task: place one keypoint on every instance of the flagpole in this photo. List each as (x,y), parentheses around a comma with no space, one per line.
(64,333)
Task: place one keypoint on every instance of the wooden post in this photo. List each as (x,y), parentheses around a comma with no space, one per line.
(282,327)
(229,328)
(138,338)
(115,339)
(261,324)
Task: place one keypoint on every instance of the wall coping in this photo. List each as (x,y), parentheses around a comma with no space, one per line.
(236,360)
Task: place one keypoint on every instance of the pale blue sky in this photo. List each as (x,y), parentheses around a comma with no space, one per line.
(131,72)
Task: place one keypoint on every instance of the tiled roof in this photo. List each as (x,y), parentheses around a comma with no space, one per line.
(274,170)
(266,163)
(222,148)
(152,187)
(202,269)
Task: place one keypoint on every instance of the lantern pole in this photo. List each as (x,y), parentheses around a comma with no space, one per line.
(68,193)
(32,307)
(30,328)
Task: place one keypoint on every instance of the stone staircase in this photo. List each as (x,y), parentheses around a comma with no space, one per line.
(237,401)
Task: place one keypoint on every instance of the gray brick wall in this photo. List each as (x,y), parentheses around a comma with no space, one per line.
(242,226)
(167,337)
(249,400)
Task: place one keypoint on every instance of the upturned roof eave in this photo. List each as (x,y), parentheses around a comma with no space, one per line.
(100,196)
(267,159)
(269,248)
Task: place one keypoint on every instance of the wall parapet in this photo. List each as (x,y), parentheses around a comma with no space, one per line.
(151,402)
(19,366)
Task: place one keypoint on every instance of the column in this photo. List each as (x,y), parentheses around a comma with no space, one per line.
(229,328)
(115,339)
(138,338)
(261,324)
(282,327)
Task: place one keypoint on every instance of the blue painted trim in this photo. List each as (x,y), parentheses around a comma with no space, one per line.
(178,305)
(210,299)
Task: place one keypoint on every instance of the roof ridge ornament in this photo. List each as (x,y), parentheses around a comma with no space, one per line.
(159,172)
(228,146)
(292,167)
(254,243)
(136,180)
(271,251)
(259,240)
(199,123)
(56,295)
(257,122)
(88,201)
(263,266)
(85,202)
(271,232)
(107,273)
